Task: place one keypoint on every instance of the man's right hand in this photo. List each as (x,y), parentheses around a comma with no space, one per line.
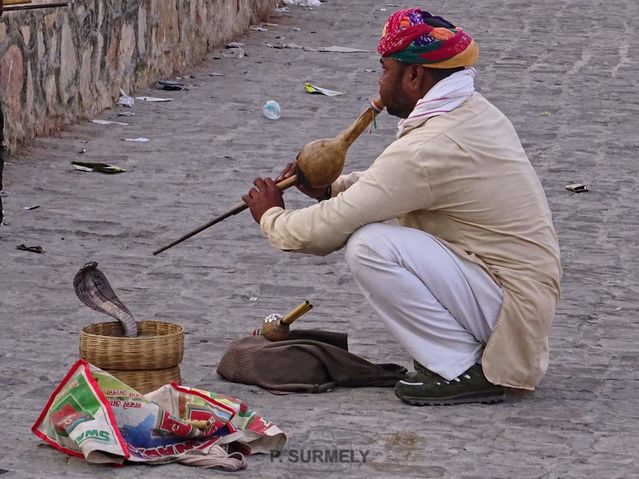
(317,193)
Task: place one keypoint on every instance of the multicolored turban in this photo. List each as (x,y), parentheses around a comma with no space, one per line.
(417,37)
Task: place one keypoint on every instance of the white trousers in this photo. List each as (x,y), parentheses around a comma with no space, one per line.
(440,307)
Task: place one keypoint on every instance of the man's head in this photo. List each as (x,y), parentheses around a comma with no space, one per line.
(418,50)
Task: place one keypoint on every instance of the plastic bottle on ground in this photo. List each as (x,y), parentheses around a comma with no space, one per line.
(272,110)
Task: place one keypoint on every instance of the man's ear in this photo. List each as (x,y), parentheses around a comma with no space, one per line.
(414,78)
(426,80)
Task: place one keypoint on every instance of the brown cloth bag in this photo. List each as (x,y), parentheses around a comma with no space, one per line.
(307,362)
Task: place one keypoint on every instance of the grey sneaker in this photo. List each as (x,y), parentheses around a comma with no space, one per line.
(419,371)
(426,388)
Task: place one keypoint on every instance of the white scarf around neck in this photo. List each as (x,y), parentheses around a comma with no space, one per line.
(444,97)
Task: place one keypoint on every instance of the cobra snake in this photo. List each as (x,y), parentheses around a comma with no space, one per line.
(93,289)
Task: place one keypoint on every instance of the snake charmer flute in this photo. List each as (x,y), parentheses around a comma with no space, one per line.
(277,328)
(319,164)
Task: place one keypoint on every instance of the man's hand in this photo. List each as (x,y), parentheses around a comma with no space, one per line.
(265,195)
(316,193)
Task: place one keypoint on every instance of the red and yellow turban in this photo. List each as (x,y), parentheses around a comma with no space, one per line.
(415,36)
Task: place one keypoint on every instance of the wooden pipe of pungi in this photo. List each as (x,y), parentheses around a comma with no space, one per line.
(319,164)
(277,328)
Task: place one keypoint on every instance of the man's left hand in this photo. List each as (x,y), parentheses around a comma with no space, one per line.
(265,195)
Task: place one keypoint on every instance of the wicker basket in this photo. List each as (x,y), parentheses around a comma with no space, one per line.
(158,346)
(149,380)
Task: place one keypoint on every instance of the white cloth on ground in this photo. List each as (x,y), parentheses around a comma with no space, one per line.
(440,307)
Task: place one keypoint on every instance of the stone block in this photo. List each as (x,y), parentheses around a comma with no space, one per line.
(49,20)
(100,14)
(51,94)
(40,48)
(26,34)
(52,49)
(168,29)
(68,62)
(126,47)
(111,65)
(85,77)
(30,93)
(97,62)
(142,31)
(11,83)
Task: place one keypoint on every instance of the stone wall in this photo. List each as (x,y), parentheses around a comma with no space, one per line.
(58,65)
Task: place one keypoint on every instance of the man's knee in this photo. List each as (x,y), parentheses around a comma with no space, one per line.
(362,243)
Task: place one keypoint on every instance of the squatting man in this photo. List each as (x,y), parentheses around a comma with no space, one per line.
(467,279)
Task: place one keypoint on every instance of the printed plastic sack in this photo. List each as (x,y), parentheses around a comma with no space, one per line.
(94,415)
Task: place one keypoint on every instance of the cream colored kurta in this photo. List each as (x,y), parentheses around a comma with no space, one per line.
(463,177)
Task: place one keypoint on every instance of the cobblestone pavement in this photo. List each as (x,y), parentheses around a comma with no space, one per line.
(563,71)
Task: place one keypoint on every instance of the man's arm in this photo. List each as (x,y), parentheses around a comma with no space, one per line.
(396,184)
(344,182)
